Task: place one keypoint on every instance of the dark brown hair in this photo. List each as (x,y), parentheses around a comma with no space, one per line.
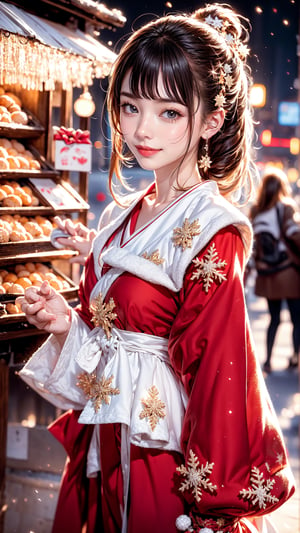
(188,52)
(274,187)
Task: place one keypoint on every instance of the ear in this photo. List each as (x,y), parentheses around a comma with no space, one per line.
(213,123)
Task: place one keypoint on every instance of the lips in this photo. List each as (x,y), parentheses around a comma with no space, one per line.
(146,151)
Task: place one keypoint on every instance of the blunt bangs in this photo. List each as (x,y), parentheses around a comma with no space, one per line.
(159,58)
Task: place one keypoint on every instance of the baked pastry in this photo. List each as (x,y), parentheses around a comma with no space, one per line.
(12,200)
(24,282)
(5,143)
(20,117)
(10,277)
(13,309)
(16,288)
(7,188)
(3,194)
(4,235)
(14,97)
(6,101)
(24,163)
(17,236)
(34,229)
(34,164)
(13,162)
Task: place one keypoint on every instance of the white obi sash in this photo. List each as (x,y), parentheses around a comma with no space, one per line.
(134,363)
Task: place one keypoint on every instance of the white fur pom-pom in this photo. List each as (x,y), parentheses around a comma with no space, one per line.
(206,530)
(183,522)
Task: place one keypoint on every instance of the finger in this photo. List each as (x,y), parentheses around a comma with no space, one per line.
(44,316)
(81,259)
(69,226)
(32,309)
(81,230)
(31,295)
(66,242)
(45,290)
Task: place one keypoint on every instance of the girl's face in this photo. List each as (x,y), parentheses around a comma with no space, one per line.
(157,131)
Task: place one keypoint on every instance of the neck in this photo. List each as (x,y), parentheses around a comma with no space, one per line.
(166,190)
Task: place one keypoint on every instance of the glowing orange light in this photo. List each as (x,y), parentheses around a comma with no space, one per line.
(286,22)
(266,138)
(295,146)
(98,145)
(258,10)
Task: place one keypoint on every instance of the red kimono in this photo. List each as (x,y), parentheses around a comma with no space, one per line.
(232,464)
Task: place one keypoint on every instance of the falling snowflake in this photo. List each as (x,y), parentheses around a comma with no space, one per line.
(209,267)
(154,408)
(103,314)
(205,162)
(184,236)
(279,458)
(220,100)
(196,477)
(260,490)
(97,391)
(154,257)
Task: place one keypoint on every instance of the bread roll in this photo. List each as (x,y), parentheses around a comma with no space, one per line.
(12,200)
(4,235)
(19,117)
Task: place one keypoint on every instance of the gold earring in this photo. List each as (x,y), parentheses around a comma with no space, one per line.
(205,161)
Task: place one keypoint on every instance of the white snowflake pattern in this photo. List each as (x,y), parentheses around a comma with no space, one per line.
(260,490)
(196,477)
(209,268)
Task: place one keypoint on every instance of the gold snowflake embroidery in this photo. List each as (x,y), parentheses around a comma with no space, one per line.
(154,257)
(154,408)
(184,236)
(103,314)
(260,490)
(220,100)
(196,477)
(209,268)
(97,391)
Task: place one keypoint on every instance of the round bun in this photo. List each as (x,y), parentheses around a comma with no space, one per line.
(20,117)
(12,200)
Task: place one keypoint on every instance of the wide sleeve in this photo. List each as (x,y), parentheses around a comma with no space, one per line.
(235,461)
(52,371)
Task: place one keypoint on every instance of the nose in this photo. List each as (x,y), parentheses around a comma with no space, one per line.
(144,126)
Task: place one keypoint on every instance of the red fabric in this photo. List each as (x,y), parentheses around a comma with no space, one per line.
(79,499)
(228,424)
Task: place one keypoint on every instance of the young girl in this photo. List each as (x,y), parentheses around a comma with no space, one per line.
(170,427)
(276,212)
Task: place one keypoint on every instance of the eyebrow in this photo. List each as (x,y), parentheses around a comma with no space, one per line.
(162,100)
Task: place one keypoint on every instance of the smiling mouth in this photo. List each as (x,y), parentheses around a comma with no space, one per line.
(147,151)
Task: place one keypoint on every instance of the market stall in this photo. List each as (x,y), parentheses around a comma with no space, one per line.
(41,64)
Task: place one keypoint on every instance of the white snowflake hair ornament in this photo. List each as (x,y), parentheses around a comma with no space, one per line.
(240,51)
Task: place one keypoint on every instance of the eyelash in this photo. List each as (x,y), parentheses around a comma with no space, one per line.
(176,114)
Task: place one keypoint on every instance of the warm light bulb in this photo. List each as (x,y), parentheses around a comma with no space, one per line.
(84,106)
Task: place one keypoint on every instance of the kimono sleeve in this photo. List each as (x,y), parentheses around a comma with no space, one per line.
(235,461)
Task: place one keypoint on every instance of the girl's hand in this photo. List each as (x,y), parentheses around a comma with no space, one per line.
(46,309)
(80,239)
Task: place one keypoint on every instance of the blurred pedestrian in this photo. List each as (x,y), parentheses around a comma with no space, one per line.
(276,222)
